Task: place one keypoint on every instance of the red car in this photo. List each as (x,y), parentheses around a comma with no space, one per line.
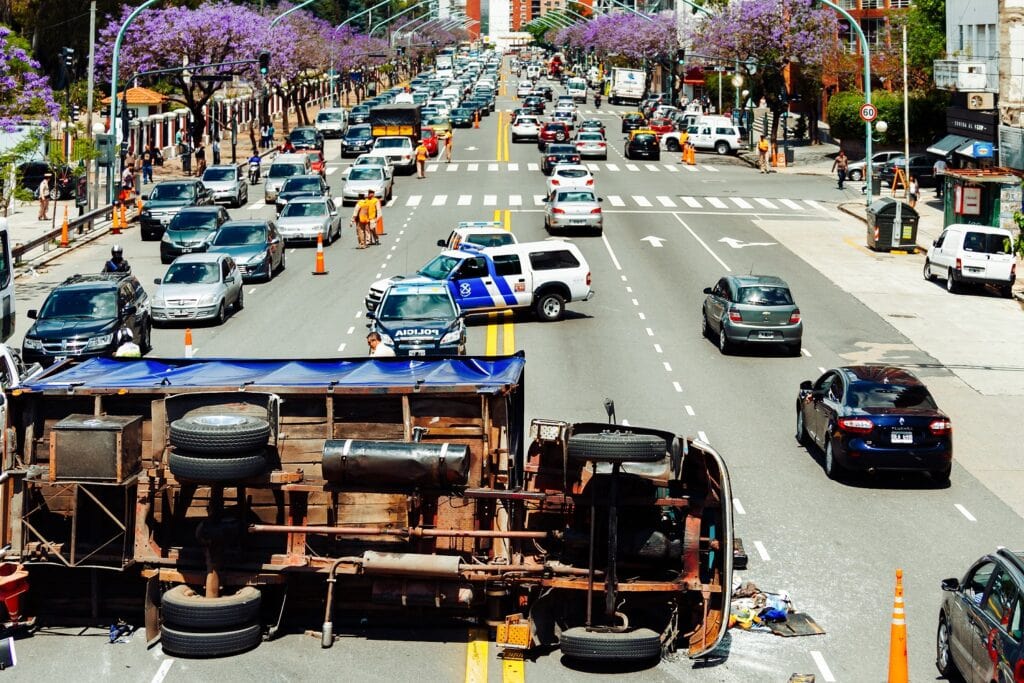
(430,141)
(553,131)
(661,126)
(317,163)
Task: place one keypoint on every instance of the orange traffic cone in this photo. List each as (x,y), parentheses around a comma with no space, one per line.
(691,155)
(476,120)
(124,216)
(379,226)
(188,342)
(319,269)
(898,671)
(138,203)
(64,241)
(115,226)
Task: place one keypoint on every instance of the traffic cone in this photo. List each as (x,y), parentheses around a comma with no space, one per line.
(115,226)
(138,203)
(188,342)
(898,671)
(124,216)
(691,155)
(379,227)
(64,241)
(319,270)
(476,120)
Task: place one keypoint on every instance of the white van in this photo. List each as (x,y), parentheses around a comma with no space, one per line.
(577,87)
(973,254)
(332,122)
(533,71)
(717,133)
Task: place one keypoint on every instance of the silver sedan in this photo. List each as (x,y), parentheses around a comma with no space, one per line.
(198,287)
(303,218)
(573,209)
(361,179)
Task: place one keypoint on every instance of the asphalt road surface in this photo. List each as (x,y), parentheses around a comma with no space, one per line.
(670,230)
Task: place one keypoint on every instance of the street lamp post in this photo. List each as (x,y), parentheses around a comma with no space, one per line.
(284,14)
(374,28)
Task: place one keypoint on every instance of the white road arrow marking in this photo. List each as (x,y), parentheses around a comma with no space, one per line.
(472,149)
(654,241)
(739,244)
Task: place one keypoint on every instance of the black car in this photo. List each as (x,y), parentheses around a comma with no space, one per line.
(357,140)
(632,121)
(190,231)
(85,316)
(300,186)
(981,622)
(556,153)
(546,91)
(305,138)
(359,114)
(462,117)
(874,418)
(480,104)
(165,200)
(420,320)
(921,167)
(535,103)
(62,179)
(643,146)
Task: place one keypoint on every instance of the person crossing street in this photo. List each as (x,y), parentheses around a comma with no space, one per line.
(421,160)
(365,217)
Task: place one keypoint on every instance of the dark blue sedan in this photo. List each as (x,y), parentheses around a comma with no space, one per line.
(873,418)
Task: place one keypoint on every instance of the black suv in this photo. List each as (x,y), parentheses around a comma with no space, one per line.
(558,154)
(922,167)
(643,146)
(191,231)
(62,181)
(357,140)
(306,137)
(300,186)
(420,320)
(165,200)
(84,316)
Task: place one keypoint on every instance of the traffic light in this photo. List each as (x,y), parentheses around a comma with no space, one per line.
(401,51)
(76,111)
(264,60)
(68,55)
(681,55)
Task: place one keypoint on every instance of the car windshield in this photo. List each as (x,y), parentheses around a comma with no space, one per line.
(391,142)
(193,220)
(490,239)
(575,197)
(462,111)
(562,149)
(234,235)
(572,172)
(301,185)
(880,395)
(987,243)
(284,170)
(163,192)
(416,307)
(330,116)
(643,138)
(439,267)
(590,137)
(765,296)
(359,133)
(366,173)
(192,274)
(296,210)
(94,304)
(216,174)
(360,109)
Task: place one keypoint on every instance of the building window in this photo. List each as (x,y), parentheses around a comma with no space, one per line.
(873,30)
(899,4)
(848,4)
(872,4)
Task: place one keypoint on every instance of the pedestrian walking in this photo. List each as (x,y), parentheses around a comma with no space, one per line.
(365,216)
(270,134)
(216,152)
(762,154)
(913,191)
(128,179)
(263,137)
(448,147)
(421,160)
(186,158)
(200,161)
(378,348)
(147,165)
(939,171)
(840,165)
(177,140)
(44,196)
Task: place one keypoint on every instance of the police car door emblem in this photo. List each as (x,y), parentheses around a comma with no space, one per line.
(465,289)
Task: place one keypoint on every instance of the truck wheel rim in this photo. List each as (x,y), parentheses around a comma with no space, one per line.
(220,420)
(551,307)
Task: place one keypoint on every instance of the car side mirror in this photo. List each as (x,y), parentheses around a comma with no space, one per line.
(32,313)
(707,290)
(370,315)
(442,243)
(935,243)
(145,197)
(157,281)
(229,280)
(600,199)
(806,385)
(950,585)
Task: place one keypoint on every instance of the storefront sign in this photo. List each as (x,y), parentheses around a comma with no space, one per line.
(967,201)
(982,125)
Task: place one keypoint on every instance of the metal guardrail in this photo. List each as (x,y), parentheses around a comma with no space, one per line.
(81,225)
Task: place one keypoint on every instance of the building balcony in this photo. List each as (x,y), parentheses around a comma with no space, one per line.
(967,74)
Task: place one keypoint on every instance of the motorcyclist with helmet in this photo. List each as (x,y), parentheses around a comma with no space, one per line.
(117,263)
(254,169)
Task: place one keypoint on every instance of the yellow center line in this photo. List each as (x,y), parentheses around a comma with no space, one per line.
(476,656)
(497,142)
(513,670)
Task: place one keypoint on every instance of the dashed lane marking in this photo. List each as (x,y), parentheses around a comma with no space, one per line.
(821,370)
(341,347)
(703,437)
(965,512)
(513,167)
(351,329)
(652,167)
(641,200)
(691,169)
(636,302)
(632,167)
(331,170)
(492,167)
(532,167)
(515,200)
(431,168)
(711,169)
(251,207)
(738,506)
(819,661)
(451,168)
(665,201)
(765,203)
(805,352)
(439,200)
(161,673)
(413,200)
(650,332)
(538,200)
(612,167)
(689,410)
(657,348)
(490,200)
(667,366)
(472,167)
(791,204)
(762,551)
(678,387)
(671,169)
(742,203)
(815,204)
(716,202)
(642,316)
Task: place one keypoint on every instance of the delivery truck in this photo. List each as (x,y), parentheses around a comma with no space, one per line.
(627,86)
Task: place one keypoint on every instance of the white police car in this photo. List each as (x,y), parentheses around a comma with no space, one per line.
(420,319)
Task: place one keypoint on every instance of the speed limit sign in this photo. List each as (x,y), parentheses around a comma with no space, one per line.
(868,112)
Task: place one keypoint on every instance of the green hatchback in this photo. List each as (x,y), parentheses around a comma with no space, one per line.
(749,310)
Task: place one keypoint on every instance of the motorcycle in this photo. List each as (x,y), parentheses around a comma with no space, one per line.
(597,101)
(254,172)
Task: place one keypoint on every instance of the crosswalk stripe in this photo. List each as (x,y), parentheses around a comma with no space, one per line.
(652,167)
(473,167)
(451,168)
(331,170)
(439,200)
(791,204)
(490,200)
(431,168)
(513,167)
(515,200)
(691,169)
(612,167)
(742,203)
(616,200)
(765,203)
(641,200)
(691,202)
(413,200)
(665,201)
(671,168)
(711,169)
(465,199)
(632,167)
(538,200)
(492,167)
(815,205)
(529,167)
(256,205)
(594,167)
(717,203)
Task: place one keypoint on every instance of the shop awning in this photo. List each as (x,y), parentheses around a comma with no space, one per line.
(970,149)
(948,144)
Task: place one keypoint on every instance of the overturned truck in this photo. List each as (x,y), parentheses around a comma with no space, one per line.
(226,498)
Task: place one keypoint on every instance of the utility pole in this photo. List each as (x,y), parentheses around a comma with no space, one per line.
(906,106)
(94,190)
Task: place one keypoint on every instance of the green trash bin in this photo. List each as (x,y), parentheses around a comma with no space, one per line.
(891,225)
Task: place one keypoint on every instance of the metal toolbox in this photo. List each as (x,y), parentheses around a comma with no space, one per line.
(96,447)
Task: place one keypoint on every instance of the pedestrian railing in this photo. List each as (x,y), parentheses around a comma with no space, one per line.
(82,226)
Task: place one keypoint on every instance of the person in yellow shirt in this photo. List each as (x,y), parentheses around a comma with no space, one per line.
(762,154)
(365,217)
(421,160)
(684,140)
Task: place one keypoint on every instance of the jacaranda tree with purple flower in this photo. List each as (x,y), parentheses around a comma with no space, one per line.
(25,94)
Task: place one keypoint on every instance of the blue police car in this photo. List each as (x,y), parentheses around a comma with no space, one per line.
(418,319)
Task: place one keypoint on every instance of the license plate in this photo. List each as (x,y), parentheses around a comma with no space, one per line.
(578,221)
(766,335)
(179,314)
(902,436)
(165,221)
(971,269)
(58,359)
(417,352)
(186,250)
